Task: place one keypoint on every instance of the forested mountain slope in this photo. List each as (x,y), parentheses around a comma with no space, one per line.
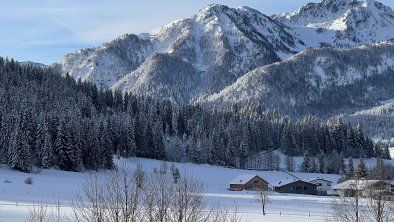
(47,120)
(318,81)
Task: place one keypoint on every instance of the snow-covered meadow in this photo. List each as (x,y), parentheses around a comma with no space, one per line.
(53,186)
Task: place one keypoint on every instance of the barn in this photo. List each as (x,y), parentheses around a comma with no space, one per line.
(248,182)
(296,186)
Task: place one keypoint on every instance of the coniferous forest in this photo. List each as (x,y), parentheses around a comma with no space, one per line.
(48,120)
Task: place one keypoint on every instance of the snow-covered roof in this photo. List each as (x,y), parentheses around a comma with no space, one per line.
(359,184)
(317,178)
(243,179)
(284,182)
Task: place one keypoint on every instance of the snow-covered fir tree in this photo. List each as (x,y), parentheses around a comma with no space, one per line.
(361,170)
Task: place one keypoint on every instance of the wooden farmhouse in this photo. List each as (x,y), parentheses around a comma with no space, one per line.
(296,186)
(248,182)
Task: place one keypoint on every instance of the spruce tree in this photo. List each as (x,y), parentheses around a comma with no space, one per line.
(361,145)
(350,169)
(19,152)
(322,165)
(361,170)
(306,163)
(386,153)
(287,142)
(131,141)
(380,170)
(244,150)
(46,150)
(68,153)
(230,149)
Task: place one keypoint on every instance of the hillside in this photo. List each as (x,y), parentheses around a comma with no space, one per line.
(318,81)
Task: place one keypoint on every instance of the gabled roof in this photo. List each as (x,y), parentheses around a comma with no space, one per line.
(286,182)
(359,184)
(244,179)
(318,178)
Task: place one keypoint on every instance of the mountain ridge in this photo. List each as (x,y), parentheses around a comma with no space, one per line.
(198,59)
(309,78)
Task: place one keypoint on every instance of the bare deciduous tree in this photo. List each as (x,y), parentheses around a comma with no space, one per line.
(366,201)
(346,209)
(379,207)
(126,195)
(263,197)
(42,212)
(380,203)
(116,196)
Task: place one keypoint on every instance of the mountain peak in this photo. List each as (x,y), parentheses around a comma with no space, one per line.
(329,11)
(212,9)
(214,6)
(341,2)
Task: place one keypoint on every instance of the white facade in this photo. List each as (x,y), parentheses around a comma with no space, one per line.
(323,185)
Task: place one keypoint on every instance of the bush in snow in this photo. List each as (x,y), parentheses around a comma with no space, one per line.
(29,180)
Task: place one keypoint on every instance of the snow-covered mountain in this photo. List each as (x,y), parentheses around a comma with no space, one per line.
(320,81)
(342,22)
(29,63)
(201,54)
(205,57)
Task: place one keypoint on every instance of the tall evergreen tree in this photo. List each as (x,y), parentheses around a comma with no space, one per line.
(287,141)
(19,151)
(68,154)
(131,141)
(306,163)
(386,153)
(350,169)
(244,150)
(361,170)
(44,145)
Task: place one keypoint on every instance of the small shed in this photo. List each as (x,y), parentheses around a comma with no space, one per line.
(296,186)
(248,182)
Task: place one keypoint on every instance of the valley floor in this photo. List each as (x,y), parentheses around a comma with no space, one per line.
(52,186)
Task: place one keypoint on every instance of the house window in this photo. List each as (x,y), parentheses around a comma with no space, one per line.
(329,184)
(319,184)
(305,188)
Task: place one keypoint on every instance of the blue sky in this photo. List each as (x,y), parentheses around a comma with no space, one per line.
(44,30)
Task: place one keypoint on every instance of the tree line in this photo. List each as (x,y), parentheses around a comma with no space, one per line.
(48,120)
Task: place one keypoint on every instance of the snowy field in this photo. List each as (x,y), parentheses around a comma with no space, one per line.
(50,186)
